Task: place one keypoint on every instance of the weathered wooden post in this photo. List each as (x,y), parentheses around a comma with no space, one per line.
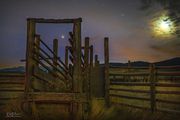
(77,73)
(30,63)
(91,56)
(106,72)
(152,88)
(86,76)
(96,60)
(91,69)
(55,56)
(29,53)
(86,66)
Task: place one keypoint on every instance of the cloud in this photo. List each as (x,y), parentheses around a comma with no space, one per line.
(170,48)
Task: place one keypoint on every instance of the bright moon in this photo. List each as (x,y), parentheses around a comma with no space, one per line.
(163,26)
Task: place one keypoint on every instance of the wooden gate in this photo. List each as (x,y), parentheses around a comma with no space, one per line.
(49,80)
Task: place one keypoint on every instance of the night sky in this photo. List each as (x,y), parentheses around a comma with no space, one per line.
(127,26)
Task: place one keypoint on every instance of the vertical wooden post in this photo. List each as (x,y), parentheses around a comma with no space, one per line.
(29,53)
(66,56)
(91,56)
(96,60)
(30,63)
(86,77)
(129,65)
(152,88)
(77,56)
(128,78)
(77,74)
(55,56)
(86,63)
(91,69)
(106,63)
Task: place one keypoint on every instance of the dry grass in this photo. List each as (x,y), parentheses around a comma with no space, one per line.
(100,112)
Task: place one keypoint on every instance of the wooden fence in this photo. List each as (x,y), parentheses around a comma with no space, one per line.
(11,87)
(155,88)
(153,84)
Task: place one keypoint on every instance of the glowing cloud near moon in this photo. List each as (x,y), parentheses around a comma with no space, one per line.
(163,27)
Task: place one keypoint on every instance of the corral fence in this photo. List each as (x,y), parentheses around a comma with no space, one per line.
(155,88)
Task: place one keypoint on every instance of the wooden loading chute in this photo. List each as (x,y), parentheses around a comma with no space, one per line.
(49,79)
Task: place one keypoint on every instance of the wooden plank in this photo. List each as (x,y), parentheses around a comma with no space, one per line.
(168,92)
(11,81)
(168,67)
(43,20)
(168,84)
(128,105)
(130,74)
(168,101)
(18,75)
(14,89)
(43,96)
(168,111)
(129,90)
(168,73)
(129,97)
(126,67)
(130,83)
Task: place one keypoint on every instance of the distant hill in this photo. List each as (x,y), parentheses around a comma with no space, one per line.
(169,62)
(20,69)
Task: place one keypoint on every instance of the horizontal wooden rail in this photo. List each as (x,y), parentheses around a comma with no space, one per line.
(129,97)
(128,105)
(129,90)
(12,75)
(126,67)
(130,74)
(130,83)
(168,111)
(168,73)
(18,89)
(168,92)
(168,67)
(11,82)
(168,101)
(168,84)
(42,20)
